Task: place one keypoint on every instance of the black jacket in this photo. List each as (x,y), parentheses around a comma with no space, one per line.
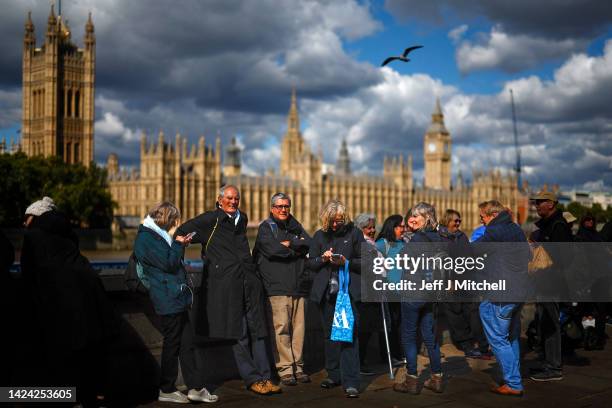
(588,235)
(508,262)
(70,304)
(553,229)
(230,287)
(346,241)
(282,269)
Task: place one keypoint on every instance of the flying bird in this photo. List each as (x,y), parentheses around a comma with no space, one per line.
(403,57)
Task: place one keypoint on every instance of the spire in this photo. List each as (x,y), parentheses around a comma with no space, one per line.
(90,38)
(51,21)
(344,162)
(29,39)
(293,121)
(437,120)
(89,26)
(29,25)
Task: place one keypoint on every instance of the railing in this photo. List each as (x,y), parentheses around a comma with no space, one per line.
(111,272)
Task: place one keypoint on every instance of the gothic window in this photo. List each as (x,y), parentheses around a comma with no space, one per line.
(69,103)
(77,102)
(76,155)
(68,152)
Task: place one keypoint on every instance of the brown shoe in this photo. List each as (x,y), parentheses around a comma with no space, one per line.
(435,383)
(273,388)
(288,379)
(260,387)
(410,385)
(506,390)
(302,377)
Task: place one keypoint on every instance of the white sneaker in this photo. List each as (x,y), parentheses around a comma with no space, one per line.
(202,395)
(177,397)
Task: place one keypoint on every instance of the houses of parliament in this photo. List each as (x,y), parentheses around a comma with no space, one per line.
(58,118)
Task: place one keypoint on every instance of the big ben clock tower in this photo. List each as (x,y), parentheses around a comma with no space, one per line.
(437,153)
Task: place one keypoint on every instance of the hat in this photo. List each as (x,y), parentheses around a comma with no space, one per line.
(569,217)
(545,195)
(40,207)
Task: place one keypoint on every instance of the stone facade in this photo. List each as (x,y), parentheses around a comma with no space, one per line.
(58,93)
(191,180)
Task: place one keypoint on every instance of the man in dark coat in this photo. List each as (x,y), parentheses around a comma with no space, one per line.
(502,320)
(280,252)
(71,311)
(552,227)
(233,295)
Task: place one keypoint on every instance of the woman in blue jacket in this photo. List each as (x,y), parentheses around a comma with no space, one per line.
(160,257)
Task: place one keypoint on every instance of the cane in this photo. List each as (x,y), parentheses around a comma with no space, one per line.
(382,308)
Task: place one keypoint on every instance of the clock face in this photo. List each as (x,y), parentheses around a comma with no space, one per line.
(431,147)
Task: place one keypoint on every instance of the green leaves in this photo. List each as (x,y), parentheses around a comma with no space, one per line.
(81,193)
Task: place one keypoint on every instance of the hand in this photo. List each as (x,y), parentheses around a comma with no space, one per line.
(285,243)
(326,257)
(183,239)
(339,262)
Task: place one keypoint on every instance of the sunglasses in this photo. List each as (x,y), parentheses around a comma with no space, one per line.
(457,221)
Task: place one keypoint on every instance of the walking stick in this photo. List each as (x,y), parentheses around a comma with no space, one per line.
(382,308)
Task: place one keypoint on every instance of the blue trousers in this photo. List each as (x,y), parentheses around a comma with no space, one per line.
(415,314)
(502,325)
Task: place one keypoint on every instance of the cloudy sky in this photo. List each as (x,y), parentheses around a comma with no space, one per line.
(225,67)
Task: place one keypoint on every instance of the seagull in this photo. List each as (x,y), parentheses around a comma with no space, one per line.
(403,57)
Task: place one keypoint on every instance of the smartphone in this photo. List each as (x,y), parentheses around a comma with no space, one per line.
(190,235)
(336,257)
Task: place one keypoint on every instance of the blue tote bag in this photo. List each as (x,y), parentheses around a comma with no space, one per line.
(344,321)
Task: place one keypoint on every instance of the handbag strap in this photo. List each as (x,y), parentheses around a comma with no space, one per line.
(344,277)
(211,234)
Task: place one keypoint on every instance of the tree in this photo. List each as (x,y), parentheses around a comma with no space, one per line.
(79,192)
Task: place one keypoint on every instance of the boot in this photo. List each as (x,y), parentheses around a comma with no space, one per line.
(410,385)
(434,383)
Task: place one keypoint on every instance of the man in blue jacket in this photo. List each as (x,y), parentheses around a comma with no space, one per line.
(501,320)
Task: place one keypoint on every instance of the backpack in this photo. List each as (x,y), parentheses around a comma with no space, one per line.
(134,277)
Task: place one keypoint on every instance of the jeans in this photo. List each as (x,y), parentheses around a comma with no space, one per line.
(414,313)
(502,325)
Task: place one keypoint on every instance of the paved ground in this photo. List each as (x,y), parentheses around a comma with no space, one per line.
(587,383)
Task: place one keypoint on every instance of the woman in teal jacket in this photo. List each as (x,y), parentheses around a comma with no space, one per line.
(389,242)
(161,259)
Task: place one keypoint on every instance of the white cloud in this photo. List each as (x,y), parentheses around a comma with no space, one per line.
(457,33)
(111,125)
(510,52)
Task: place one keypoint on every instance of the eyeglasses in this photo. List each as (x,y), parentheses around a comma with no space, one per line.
(282,207)
(457,221)
(338,222)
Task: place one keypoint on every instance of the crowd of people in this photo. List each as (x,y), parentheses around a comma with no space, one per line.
(246,296)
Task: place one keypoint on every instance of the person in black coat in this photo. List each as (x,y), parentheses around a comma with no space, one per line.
(280,253)
(9,299)
(233,295)
(552,227)
(74,318)
(337,236)
(463,317)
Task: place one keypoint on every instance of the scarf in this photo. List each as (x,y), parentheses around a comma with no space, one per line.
(149,223)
